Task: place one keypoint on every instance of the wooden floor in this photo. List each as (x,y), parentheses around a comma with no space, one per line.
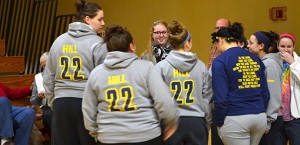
(209,138)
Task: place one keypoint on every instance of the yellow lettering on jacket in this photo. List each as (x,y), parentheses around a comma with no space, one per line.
(177,73)
(72,49)
(118,79)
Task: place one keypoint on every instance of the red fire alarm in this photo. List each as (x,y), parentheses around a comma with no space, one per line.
(278,13)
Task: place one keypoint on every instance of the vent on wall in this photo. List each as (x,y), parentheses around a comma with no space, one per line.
(278,13)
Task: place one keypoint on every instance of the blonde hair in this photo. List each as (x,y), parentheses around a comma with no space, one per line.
(148,52)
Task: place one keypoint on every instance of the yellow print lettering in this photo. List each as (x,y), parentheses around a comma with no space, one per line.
(248,67)
(71,49)
(177,73)
(118,79)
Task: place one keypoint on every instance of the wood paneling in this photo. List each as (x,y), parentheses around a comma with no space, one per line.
(2,47)
(16,81)
(12,64)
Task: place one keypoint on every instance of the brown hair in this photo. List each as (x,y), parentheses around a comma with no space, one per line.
(84,8)
(117,38)
(159,22)
(178,34)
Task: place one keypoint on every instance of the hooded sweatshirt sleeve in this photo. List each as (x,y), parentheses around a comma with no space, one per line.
(89,109)
(100,52)
(163,102)
(274,85)
(49,75)
(207,94)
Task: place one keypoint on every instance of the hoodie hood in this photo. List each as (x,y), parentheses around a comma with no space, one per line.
(182,61)
(78,29)
(273,56)
(118,59)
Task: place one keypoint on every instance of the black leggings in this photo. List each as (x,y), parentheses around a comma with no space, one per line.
(191,131)
(155,141)
(67,123)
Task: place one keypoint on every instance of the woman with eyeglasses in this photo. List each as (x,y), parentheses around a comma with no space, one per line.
(240,89)
(159,47)
(190,85)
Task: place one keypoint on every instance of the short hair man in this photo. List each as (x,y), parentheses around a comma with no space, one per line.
(214,51)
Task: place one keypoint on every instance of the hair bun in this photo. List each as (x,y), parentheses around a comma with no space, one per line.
(80,4)
(175,28)
(236,30)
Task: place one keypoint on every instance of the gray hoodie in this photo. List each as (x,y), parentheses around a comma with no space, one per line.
(273,73)
(183,70)
(72,57)
(124,99)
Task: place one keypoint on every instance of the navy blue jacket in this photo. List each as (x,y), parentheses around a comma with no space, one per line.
(239,84)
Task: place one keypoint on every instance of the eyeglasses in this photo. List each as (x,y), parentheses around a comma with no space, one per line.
(160,33)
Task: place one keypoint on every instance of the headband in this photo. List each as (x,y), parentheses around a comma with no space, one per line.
(261,37)
(288,35)
(188,37)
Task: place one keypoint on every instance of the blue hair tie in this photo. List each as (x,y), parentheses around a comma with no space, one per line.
(261,37)
(188,37)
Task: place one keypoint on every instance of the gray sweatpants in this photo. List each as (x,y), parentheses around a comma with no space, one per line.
(243,129)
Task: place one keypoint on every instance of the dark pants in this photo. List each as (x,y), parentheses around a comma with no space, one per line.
(191,131)
(215,138)
(47,117)
(155,141)
(67,123)
(275,135)
(291,130)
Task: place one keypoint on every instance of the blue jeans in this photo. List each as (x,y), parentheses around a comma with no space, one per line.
(16,122)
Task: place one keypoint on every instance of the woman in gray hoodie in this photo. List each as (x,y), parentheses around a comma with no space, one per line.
(264,45)
(125,97)
(72,57)
(190,84)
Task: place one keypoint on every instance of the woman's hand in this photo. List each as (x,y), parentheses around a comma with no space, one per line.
(287,57)
(41,95)
(169,131)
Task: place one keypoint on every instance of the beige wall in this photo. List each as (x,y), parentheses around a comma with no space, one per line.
(198,16)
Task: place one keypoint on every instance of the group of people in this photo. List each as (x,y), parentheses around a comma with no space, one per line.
(98,91)
(257,103)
